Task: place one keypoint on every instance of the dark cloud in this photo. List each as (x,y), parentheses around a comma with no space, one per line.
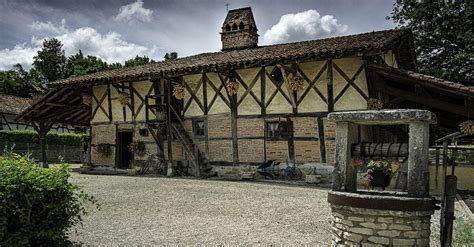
(186,26)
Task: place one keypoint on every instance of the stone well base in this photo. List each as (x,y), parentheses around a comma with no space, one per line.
(380,220)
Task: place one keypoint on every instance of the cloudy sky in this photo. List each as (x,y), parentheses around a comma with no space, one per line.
(116,30)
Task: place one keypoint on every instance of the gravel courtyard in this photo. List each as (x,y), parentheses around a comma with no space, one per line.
(148,211)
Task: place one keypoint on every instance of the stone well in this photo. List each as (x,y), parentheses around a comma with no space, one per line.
(381,218)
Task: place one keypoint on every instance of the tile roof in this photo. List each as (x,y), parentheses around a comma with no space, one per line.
(13,104)
(314,49)
(431,80)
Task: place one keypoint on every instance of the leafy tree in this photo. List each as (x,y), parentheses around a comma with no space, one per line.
(77,65)
(50,60)
(171,56)
(15,82)
(443,35)
(138,61)
(115,66)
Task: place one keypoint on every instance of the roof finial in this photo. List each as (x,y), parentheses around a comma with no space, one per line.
(227,6)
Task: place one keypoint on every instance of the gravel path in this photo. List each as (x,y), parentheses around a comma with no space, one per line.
(144,211)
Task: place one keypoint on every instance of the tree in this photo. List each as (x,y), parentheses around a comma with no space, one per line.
(50,60)
(171,56)
(138,61)
(15,82)
(115,66)
(443,36)
(77,65)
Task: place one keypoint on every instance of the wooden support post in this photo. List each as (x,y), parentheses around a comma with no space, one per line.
(262,91)
(345,174)
(235,145)
(170,135)
(322,142)
(42,128)
(418,174)
(291,142)
(330,86)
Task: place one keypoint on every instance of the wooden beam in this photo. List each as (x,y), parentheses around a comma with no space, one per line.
(311,84)
(330,86)
(109,99)
(322,142)
(350,82)
(262,91)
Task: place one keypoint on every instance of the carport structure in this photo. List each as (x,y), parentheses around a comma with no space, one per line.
(62,105)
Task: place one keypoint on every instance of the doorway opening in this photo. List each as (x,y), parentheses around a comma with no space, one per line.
(124,154)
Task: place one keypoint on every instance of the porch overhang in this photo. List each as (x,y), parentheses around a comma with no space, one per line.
(60,105)
(453,103)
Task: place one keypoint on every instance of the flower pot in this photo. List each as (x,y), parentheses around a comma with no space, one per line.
(380,179)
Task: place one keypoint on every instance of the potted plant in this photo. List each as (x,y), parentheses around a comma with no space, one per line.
(380,172)
(138,148)
(103,148)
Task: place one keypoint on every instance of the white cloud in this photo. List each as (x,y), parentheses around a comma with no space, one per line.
(303,26)
(111,47)
(134,11)
(21,53)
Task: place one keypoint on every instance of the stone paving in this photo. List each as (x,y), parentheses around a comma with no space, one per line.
(169,211)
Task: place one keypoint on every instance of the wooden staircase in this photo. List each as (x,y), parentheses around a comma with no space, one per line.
(166,115)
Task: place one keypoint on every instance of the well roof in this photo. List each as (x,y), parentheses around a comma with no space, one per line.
(263,55)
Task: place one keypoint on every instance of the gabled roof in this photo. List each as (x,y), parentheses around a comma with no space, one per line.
(13,104)
(264,55)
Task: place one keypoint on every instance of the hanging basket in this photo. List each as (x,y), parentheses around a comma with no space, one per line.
(178,92)
(232,87)
(295,82)
(124,98)
(467,127)
(374,104)
(86,99)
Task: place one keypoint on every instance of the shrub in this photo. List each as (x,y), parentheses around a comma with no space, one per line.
(52,138)
(37,206)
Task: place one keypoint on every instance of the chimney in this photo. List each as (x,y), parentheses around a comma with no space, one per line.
(239,30)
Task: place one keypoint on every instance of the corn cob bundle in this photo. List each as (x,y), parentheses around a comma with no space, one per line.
(86,99)
(178,91)
(467,127)
(374,104)
(295,82)
(232,87)
(123,98)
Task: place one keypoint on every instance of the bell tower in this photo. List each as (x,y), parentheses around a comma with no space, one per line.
(239,30)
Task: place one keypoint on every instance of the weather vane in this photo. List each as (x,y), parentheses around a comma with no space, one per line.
(227,6)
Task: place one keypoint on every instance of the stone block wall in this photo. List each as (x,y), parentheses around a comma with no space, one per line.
(371,227)
(103,134)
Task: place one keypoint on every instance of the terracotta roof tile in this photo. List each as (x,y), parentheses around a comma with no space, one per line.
(323,48)
(13,104)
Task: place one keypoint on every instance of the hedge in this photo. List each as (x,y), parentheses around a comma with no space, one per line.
(53,138)
(38,207)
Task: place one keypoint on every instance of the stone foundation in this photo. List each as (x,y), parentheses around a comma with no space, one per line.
(371,225)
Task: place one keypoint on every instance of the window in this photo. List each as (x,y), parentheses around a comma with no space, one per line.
(198,127)
(227,27)
(241,26)
(234,27)
(277,76)
(276,130)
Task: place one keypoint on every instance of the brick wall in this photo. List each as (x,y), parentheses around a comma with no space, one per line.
(329,136)
(277,150)
(220,150)
(219,126)
(248,127)
(307,151)
(251,150)
(106,134)
(305,127)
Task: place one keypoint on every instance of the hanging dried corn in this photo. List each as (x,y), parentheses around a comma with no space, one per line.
(295,82)
(123,98)
(178,91)
(232,87)
(86,99)
(374,104)
(467,127)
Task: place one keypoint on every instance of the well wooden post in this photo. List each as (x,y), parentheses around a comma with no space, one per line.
(42,128)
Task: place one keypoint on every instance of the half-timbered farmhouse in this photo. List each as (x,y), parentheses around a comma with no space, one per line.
(249,103)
